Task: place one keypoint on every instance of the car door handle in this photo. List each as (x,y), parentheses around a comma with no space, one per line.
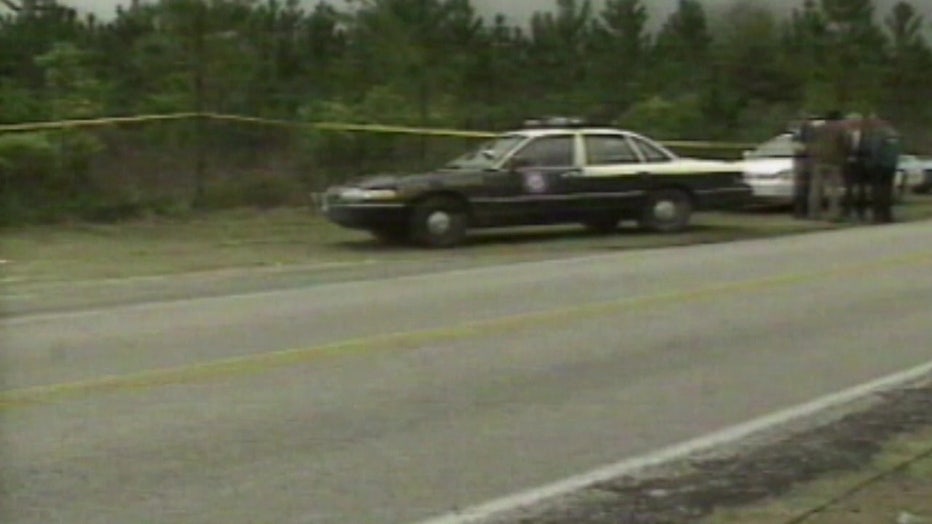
(573,173)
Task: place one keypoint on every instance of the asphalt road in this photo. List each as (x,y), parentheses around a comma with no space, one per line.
(395,399)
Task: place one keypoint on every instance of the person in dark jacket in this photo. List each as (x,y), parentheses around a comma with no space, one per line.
(878,153)
(855,176)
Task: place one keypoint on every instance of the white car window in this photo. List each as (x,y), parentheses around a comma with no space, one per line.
(602,150)
(651,152)
(548,151)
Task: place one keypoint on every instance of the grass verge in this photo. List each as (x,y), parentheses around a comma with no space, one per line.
(294,236)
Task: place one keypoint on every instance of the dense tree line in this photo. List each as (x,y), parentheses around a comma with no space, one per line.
(739,72)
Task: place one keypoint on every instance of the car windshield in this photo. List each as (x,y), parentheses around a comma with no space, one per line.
(778,147)
(488,154)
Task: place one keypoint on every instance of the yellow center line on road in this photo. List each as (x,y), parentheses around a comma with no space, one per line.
(258,363)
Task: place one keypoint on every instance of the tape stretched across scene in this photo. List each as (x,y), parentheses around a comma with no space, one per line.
(323,126)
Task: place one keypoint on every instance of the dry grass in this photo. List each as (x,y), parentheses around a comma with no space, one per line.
(285,237)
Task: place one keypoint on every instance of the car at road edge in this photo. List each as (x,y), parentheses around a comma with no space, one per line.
(768,169)
(538,175)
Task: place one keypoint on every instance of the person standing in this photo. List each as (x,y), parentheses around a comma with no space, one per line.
(854,174)
(802,165)
(829,153)
(879,153)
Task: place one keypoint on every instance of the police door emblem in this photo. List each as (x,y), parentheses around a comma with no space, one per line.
(535,182)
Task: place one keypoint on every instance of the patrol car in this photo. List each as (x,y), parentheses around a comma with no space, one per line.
(545,173)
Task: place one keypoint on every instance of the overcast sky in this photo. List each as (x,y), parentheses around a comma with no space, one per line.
(520,10)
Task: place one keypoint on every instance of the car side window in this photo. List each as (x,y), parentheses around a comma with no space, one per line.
(604,150)
(651,152)
(548,151)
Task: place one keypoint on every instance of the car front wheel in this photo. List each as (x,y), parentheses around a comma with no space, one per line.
(439,222)
(667,211)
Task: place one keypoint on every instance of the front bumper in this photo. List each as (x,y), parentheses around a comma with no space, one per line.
(726,197)
(772,190)
(363,215)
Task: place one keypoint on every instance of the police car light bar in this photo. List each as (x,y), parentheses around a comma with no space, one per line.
(554,121)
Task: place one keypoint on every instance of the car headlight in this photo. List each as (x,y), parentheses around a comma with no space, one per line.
(359,194)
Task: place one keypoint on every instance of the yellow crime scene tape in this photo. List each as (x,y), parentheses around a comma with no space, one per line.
(323,126)
(92,122)
(360,128)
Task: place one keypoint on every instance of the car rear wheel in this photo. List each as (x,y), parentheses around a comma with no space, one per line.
(439,222)
(667,211)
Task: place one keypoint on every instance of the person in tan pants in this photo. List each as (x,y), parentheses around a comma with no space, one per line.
(829,154)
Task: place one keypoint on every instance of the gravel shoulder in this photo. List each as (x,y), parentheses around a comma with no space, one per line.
(871,465)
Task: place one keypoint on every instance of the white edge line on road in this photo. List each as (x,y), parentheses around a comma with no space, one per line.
(731,435)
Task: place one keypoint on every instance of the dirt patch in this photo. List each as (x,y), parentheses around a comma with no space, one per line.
(706,485)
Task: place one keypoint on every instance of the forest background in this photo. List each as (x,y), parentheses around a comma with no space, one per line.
(739,71)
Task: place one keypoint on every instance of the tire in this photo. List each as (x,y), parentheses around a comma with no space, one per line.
(439,222)
(667,211)
(601,225)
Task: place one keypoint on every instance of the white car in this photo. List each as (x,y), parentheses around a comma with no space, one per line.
(926,185)
(910,174)
(768,169)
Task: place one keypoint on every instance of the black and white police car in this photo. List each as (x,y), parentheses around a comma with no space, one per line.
(549,172)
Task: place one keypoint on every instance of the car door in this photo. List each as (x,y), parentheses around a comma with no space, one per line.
(613,178)
(545,168)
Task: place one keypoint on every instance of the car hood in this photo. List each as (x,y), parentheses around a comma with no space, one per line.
(379,181)
(439,178)
(765,166)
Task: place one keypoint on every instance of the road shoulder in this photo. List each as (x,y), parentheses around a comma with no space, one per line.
(883,444)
